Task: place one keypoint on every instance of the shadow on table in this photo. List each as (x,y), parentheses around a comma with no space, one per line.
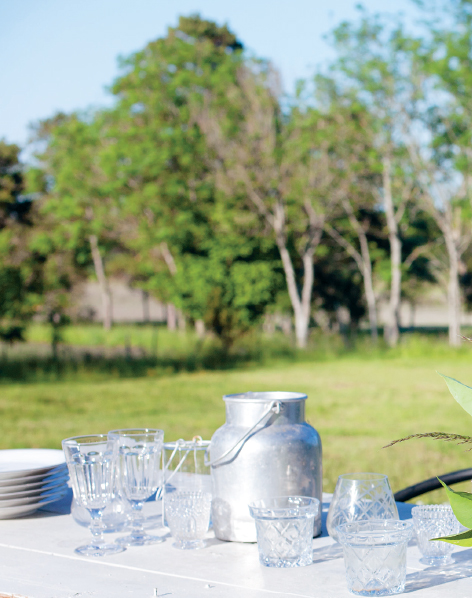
(328,553)
(432,576)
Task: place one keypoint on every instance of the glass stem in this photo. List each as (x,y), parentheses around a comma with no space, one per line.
(137,519)
(96,526)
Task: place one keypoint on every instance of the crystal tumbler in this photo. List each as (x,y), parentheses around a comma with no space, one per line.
(375,555)
(359,497)
(188,517)
(285,526)
(433,521)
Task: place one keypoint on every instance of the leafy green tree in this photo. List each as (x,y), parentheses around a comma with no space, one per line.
(282,170)
(374,66)
(75,202)
(20,268)
(178,227)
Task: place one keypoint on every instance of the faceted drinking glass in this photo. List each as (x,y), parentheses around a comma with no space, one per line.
(138,475)
(359,497)
(91,462)
(285,527)
(375,555)
(433,521)
(187,514)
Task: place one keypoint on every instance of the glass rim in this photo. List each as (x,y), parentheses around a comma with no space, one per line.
(76,440)
(355,531)
(363,476)
(425,510)
(187,444)
(259,510)
(131,432)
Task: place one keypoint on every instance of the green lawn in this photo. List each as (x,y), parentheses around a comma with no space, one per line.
(357,403)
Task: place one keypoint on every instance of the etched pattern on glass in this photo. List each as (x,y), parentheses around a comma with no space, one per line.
(375,555)
(360,500)
(188,517)
(375,570)
(285,542)
(433,521)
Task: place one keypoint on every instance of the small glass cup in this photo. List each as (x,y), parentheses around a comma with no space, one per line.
(433,521)
(375,555)
(359,497)
(187,514)
(285,526)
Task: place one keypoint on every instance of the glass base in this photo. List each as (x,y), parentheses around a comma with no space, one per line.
(189,544)
(141,540)
(381,592)
(99,549)
(436,560)
(287,562)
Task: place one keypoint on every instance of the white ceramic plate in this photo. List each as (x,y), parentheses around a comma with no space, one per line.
(18,485)
(23,492)
(42,478)
(30,500)
(20,463)
(23,510)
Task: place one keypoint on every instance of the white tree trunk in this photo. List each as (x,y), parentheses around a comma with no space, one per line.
(453,291)
(200,328)
(368,284)
(363,263)
(171,317)
(181,323)
(103,282)
(301,305)
(392,332)
(146,314)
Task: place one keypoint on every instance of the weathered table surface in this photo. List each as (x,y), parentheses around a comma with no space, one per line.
(37,560)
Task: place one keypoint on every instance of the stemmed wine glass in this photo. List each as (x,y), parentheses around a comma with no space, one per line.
(91,461)
(139,475)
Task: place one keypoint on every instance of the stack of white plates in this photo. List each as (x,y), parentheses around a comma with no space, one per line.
(30,479)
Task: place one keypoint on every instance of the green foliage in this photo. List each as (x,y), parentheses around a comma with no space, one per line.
(186,249)
(461,503)
(461,392)
(20,266)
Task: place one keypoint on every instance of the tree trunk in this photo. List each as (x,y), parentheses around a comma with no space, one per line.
(146,315)
(392,332)
(103,282)
(368,285)
(181,323)
(371,300)
(301,305)
(363,263)
(453,291)
(200,328)
(171,317)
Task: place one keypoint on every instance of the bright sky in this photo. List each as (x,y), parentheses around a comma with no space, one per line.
(61,54)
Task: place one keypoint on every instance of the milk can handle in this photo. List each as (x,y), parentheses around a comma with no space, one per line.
(275,407)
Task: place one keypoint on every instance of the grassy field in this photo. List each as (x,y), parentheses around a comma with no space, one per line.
(357,401)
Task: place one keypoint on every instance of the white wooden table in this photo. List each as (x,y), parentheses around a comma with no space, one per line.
(37,560)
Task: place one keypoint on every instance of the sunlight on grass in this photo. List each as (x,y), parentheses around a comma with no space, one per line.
(358,403)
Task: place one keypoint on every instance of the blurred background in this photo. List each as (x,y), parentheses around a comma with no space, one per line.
(200,198)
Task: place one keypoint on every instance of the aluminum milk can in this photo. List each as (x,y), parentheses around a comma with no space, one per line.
(265,449)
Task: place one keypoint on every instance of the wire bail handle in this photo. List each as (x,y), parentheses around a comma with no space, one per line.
(275,407)
(196,440)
